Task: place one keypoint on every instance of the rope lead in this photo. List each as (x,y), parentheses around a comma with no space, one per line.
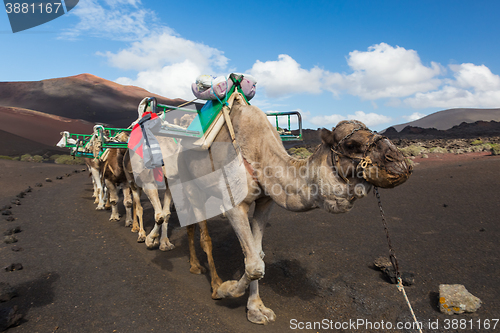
(393,258)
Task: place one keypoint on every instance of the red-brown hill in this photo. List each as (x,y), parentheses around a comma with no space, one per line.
(83,96)
(33,113)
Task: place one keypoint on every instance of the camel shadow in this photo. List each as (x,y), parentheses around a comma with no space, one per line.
(33,294)
(288,278)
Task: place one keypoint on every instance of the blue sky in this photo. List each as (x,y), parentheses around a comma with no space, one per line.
(382,62)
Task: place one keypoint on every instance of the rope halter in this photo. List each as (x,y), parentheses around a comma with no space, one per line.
(363,162)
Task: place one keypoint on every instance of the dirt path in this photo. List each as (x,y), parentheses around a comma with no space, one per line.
(83,273)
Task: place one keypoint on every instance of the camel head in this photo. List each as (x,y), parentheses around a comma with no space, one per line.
(357,152)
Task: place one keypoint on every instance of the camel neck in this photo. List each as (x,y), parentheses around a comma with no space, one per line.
(290,182)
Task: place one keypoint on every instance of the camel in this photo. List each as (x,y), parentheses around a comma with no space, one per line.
(92,165)
(113,174)
(350,160)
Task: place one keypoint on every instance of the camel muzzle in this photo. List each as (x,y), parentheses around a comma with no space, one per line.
(386,176)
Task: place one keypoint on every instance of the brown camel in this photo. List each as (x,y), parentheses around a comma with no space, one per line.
(113,174)
(344,167)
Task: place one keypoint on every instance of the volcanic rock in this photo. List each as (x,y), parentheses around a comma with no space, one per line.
(454,298)
(14,267)
(10,239)
(12,231)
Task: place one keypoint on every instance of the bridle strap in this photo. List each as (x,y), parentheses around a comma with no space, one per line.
(363,162)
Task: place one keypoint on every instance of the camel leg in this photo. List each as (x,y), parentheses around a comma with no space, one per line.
(196,268)
(257,312)
(106,195)
(254,265)
(206,245)
(138,211)
(98,190)
(165,244)
(155,232)
(113,200)
(128,203)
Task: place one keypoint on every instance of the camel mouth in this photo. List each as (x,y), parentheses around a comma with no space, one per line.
(388,175)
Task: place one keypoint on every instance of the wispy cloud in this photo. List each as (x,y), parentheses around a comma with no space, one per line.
(125,20)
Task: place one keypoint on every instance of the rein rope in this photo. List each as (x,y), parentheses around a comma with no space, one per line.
(394,260)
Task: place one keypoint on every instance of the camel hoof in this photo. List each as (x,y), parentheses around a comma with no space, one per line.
(215,286)
(198,270)
(152,242)
(128,223)
(114,218)
(167,247)
(261,316)
(135,229)
(99,208)
(227,290)
(141,239)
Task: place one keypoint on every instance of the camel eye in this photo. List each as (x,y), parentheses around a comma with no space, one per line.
(350,146)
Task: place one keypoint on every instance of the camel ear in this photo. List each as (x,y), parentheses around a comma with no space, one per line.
(326,136)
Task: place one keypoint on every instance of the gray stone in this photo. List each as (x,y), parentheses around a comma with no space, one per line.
(454,298)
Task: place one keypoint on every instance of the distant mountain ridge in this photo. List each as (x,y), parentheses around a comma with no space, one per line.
(446,119)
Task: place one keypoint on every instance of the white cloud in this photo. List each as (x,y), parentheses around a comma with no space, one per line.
(479,78)
(111,19)
(369,119)
(414,116)
(381,72)
(167,64)
(173,81)
(285,76)
(159,49)
(472,86)
(386,72)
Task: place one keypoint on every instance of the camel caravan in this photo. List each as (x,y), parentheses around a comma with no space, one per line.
(222,157)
